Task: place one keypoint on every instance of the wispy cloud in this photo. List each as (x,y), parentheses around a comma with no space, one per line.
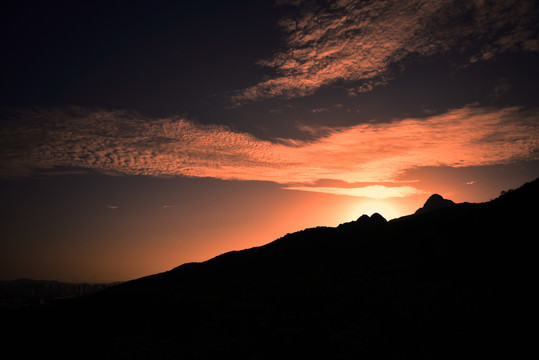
(122,143)
(371,191)
(319,110)
(359,40)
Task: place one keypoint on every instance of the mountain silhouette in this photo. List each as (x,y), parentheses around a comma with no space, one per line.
(365,221)
(451,283)
(375,219)
(434,202)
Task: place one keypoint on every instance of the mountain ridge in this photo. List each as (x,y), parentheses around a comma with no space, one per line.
(434,202)
(430,285)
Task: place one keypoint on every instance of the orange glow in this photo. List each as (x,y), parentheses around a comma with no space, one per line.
(369,168)
(384,208)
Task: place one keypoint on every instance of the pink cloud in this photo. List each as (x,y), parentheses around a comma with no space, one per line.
(358,41)
(371,191)
(121,143)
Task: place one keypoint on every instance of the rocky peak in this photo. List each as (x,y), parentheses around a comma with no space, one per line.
(434,202)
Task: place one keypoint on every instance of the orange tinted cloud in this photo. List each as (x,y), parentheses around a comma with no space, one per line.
(371,191)
(121,143)
(358,40)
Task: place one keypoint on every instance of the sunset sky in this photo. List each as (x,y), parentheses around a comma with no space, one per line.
(136,136)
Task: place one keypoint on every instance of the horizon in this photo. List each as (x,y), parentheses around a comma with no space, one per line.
(134,139)
(297,231)
(374,210)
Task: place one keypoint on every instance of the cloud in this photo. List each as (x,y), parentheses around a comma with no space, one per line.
(123,143)
(112,207)
(359,40)
(372,191)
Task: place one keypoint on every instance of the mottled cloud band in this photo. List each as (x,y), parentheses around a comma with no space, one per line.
(358,41)
(123,143)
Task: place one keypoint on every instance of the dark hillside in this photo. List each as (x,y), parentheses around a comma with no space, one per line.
(450,283)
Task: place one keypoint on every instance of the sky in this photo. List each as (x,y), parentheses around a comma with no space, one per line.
(137,136)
